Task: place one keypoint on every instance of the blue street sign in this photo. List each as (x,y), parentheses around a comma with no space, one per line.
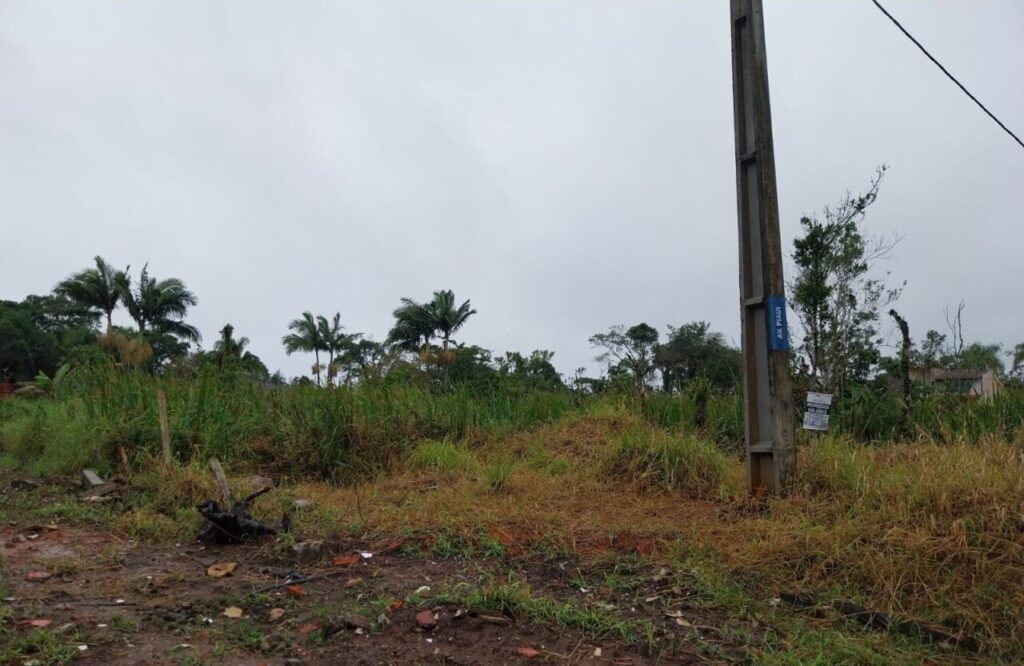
(778,333)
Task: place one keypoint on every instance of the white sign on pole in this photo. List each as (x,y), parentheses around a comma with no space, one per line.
(816,416)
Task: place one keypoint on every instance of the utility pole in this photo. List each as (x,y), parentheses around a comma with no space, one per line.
(767,396)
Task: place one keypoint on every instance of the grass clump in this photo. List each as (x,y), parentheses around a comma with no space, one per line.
(440,456)
(497,473)
(661,461)
(146,525)
(514,598)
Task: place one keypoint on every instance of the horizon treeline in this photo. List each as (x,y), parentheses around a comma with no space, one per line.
(836,295)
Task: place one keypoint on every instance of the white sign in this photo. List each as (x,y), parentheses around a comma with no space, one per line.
(816,416)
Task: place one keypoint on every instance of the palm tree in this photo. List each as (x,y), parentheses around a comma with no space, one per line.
(414,326)
(227,346)
(335,342)
(305,336)
(424,321)
(446,317)
(95,289)
(159,306)
(229,351)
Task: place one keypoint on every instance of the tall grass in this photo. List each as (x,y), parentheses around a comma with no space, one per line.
(656,460)
(918,529)
(341,433)
(338,433)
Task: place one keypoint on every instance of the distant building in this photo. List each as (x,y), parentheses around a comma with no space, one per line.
(978,383)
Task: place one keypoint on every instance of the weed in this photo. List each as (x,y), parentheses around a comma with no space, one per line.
(122,623)
(440,456)
(497,473)
(514,598)
(39,645)
(147,525)
(660,461)
(244,634)
(65,566)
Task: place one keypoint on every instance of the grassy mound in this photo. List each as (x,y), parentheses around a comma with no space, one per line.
(656,460)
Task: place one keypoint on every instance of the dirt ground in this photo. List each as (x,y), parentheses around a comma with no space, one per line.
(105,599)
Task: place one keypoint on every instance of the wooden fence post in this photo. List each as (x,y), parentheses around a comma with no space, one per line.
(222,481)
(165,426)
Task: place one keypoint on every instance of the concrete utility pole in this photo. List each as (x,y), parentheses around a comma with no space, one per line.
(767,396)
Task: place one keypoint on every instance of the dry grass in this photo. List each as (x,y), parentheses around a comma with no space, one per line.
(934,532)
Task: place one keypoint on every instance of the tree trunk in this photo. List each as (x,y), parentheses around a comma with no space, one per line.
(316,355)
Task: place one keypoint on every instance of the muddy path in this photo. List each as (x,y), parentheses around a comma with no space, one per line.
(92,596)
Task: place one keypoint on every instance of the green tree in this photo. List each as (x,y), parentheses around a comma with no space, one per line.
(833,293)
(41,333)
(25,348)
(158,308)
(977,355)
(230,353)
(694,351)
(629,352)
(413,329)
(305,337)
(95,289)
(471,364)
(933,350)
(416,324)
(534,372)
(334,342)
(1018,361)
(364,359)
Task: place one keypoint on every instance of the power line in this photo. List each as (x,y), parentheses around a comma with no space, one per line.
(946,72)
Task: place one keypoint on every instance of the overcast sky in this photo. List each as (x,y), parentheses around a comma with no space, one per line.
(565,165)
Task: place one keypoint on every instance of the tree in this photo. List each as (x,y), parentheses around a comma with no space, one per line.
(977,355)
(1018,361)
(96,289)
(25,348)
(41,333)
(305,337)
(229,352)
(833,294)
(334,341)
(364,359)
(158,308)
(694,351)
(629,353)
(533,372)
(416,324)
(413,329)
(447,318)
(933,350)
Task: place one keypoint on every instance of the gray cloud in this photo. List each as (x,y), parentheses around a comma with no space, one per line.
(567,166)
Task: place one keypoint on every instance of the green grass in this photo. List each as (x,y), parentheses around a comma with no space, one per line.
(445,457)
(930,527)
(41,645)
(342,434)
(497,473)
(656,460)
(514,598)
